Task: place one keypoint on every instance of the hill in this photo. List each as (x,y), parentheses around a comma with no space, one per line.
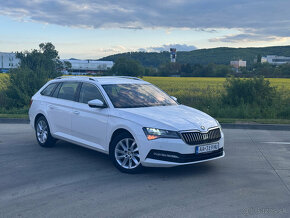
(222,55)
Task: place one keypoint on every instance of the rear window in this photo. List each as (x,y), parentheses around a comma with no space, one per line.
(49,89)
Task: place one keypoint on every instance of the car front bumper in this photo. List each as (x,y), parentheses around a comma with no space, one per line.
(164,152)
(162,163)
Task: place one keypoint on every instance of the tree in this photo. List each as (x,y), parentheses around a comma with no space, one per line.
(169,69)
(67,65)
(259,58)
(36,68)
(127,67)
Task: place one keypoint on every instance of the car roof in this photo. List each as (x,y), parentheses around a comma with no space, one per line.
(104,79)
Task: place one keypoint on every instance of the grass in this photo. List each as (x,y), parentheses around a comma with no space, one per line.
(21,116)
(199,92)
(196,86)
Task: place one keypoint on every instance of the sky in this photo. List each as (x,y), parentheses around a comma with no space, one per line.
(91,29)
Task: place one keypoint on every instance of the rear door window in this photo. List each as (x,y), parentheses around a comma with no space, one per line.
(68,90)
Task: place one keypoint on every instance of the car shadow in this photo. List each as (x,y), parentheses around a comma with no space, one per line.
(103,160)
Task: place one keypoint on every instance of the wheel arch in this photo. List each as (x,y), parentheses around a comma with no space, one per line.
(117,132)
(36,118)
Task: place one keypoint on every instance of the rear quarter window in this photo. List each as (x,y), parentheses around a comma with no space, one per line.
(48,89)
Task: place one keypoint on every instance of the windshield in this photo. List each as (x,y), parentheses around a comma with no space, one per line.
(137,95)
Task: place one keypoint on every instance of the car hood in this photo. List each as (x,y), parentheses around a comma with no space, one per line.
(176,118)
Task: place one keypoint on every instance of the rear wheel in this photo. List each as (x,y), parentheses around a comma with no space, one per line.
(42,132)
(125,155)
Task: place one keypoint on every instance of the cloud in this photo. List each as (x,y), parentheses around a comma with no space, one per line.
(256,19)
(179,47)
(244,37)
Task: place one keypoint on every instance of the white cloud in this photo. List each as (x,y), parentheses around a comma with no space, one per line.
(257,20)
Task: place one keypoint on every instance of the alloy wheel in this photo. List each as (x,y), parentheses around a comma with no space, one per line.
(127,153)
(42,131)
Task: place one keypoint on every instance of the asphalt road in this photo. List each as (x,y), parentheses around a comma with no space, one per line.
(70,181)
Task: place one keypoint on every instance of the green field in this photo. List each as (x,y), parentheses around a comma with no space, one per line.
(205,94)
(199,86)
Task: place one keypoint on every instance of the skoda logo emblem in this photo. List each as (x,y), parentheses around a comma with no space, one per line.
(202,127)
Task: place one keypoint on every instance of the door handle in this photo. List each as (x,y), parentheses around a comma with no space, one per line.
(51,106)
(76,112)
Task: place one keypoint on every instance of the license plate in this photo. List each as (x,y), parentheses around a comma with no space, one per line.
(206,148)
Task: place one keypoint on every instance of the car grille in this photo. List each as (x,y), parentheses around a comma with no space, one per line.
(196,138)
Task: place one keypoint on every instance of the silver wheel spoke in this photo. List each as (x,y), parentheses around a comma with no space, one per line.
(122,156)
(120,151)
(127,143)
(125,161)
(135,160)
(123,146)
(130,163)
(132,146)
(137,155)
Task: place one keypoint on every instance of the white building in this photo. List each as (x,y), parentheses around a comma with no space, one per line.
(87,66)
(8,61)
(274,59)
(238,64)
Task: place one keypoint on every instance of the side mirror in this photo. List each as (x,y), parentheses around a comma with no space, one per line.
(174,98)
(96,103)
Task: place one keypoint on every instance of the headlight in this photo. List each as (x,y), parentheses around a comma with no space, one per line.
(153,133)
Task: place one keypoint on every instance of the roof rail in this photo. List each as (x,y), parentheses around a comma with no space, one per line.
(129,77)
(73,77)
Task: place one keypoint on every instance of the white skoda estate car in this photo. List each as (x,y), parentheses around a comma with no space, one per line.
(134,122)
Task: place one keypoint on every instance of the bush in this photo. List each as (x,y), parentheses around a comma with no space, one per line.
(255,91)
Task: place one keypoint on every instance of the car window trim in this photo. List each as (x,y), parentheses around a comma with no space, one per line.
(51,91)
(56,90)
(78,99)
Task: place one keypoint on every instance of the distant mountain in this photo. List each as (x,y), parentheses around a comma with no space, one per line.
(222,55)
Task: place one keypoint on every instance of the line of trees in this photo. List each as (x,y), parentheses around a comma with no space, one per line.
(130,67)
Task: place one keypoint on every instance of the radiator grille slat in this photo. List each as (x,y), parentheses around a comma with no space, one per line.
(196,138)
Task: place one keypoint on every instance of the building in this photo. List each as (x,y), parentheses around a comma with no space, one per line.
(82,67)
(173,55)
(275,60)
(8,61)
(238,64)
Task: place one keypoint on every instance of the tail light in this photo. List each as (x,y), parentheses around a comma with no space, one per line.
(31,102)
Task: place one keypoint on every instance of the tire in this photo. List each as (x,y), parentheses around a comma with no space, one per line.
(42,133)
(125,155)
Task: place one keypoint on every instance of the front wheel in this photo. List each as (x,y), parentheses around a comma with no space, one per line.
(42,132)
(125,154)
